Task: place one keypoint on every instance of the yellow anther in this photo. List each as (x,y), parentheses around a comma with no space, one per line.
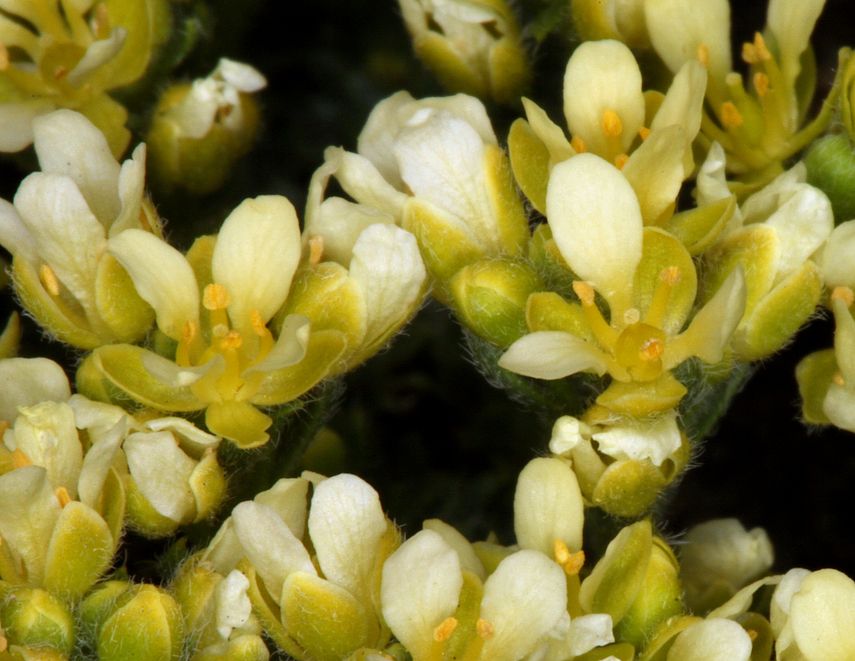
(760,46)
(49,280)
(751,634)
(578,145)
(761,83)
(562,553)
(730,116)
(63,496)
(189,332)
(101,22)
(631,316)
(215,297)
(19,459)
(219,331)
(620,161)
(749,53)
(651,349)
(316,249)
(574,563)
(844,294)
(231,340)
(838,379)
(4,57)
(60,71)
(644,132)
(3,427)
(4,644)
(484,628)
(257,322)
(584,291)
(703,55)
(612,125)
(671,276)
(445,629)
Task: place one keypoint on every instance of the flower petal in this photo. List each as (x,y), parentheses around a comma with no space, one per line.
(656,171)
(290,347)
(552,355)
(655,440)
(162,473)
(465,551)
(712,640)
(257,252)
(822,615)
(596,222)
(28,381)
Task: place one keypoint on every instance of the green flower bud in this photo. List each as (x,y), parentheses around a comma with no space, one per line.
(830,165)
(490,298)
(147,627)
(199,130)
(32,616)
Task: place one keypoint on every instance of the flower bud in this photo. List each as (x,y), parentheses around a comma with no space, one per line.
(613,19)
(473,47)
(830,165)
(32,616)
(490,298)
(199,130)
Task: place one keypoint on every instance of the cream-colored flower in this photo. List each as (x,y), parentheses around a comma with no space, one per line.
(58,229)
(27,382)
(68,55)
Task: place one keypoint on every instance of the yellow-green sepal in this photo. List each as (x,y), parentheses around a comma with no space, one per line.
(778,316)
(243,648)
(449,66)
(591,21)
(118,304)
(699,227)
(35,617)
(663,637)
(628,488)
(325,619)
(209,485)
(510,71)
(814,373)
(239,422)
(511,220)
(621,651)
(149,627)
(142,517)
(109,116)
(530,163)
(490,296)
(10,338)
(638,399)
(122,365)
(547,260)
(547,311)
(81,549)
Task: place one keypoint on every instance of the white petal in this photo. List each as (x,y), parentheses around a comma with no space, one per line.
(684,101)
(421,587)
(567,433)
(69,237)
(603,76)
(162,277)
(288,499)
(97,54)
(549,132)
(241,76)
(47,435)
(596,222)
(290,347)
(388,266)
(97,462)
(68,143)
(782,597)
(188,435)
(131,191)
(257,253)
(548,506)
(232,607)
(656,170)
(379,133)
(162,473)
(28,513)
(839,407)
(590,631)
(360,179)
(270,545)
(741,601)
(837,259)
(174,375)
(442,161)
(16,122)
(712,185)
(225,550)
(28,381)
(346,523)
(552,355)
(465,551)
(340,222)
(14,235)
(822,614)
(712,640)
(524,599)
(655,440)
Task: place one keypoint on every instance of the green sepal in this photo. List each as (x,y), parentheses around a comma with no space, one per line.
(511,220)
(510,71)
(699,227)
(149,627)
(830,165)
(122,365)
(209,485)
(80,550)
(814,373)
(142,517)
(763,639)
(490,554)
(35,617)
(193,588)
(101,602)
(628,488)
(452,70)
(778,316)
(663,637)
(548,261)
(547,311)
(638,399)
(325,619)
(530,163)
(243,648)
(119,305)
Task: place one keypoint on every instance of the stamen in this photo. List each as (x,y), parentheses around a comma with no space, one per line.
(189,332)
(620,161)
(644,132)
(605,334)
(63,496)
(231,340)
(651,349)
(215,297)
(19,459)
(612,125)
(101,22)
(49,280)
(60,71)
(760,46)
(838,379)
(761,84)
(844,294)
(730,116)
(574,563)
(631,316)
(749,53)
(219,331)
(669,278)
(3,427)
(584,291)
(704,55)
(578,145)
(188,336)
(258,326)
(751,634)
(4,644)
(562,553)
(484,628)
(316,249)
(445,629)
